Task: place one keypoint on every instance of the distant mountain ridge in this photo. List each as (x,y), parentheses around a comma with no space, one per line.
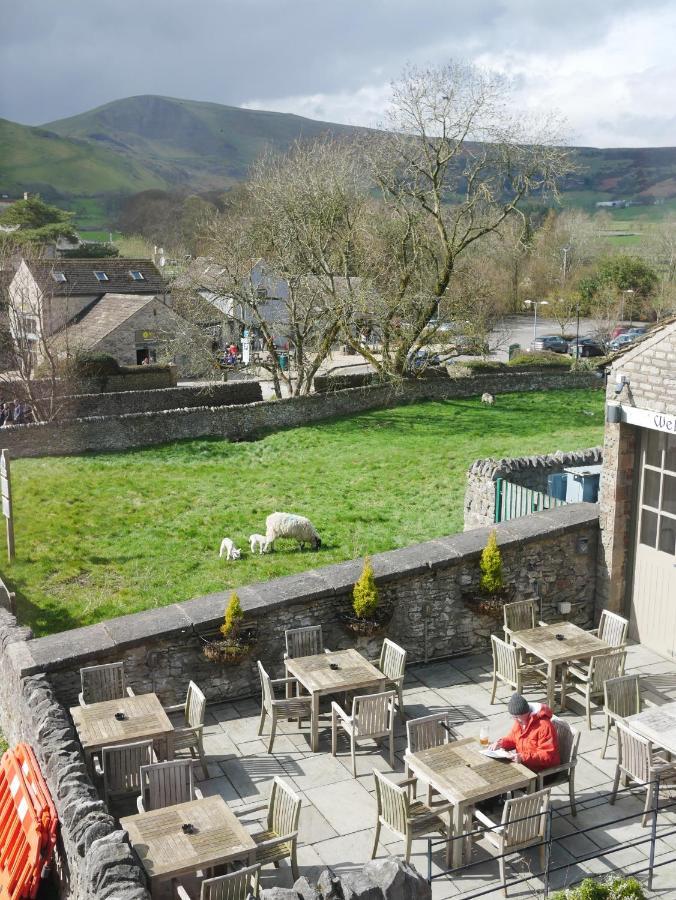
(154,142)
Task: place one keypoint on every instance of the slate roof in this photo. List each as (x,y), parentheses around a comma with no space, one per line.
(80,278)
(101,318)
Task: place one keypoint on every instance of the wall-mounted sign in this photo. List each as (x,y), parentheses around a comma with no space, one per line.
(148,336)
(649,418)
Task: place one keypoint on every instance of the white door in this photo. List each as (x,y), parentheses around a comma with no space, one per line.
(653,604)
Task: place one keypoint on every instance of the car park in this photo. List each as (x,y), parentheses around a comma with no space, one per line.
(622,340)
(552,342)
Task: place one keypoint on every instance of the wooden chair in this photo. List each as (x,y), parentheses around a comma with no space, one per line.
(519,616)
(279,839)
(636,761)
(166,784)
(590,682)
(289,708)
(407,820)
(569,742)
(189,736)
(507,667)
(119,767)
(105,682)
(372,717)
(621,698)
(238,885)
(307,641)
(612,629)
(426,732)
(523,824)
(392,664)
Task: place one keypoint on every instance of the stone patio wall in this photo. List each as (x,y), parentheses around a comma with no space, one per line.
(430,587)
(527,471)
(248,421)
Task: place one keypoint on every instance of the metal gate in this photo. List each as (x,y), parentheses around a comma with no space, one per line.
(513,501)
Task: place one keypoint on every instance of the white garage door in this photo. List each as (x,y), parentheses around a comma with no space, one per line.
(654,588)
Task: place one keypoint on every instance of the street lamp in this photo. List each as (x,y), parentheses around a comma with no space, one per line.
(535,304)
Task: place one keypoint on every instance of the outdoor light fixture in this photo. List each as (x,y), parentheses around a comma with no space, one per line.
(613,413)
(620,382)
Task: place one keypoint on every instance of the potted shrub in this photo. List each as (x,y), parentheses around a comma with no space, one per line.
(236,640)
(369,615)
(492,593)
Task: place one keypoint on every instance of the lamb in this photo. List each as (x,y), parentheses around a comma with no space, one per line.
(288,525)
(257,540)
(488,398)
(228,547)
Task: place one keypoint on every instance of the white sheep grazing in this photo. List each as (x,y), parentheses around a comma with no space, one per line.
(288,525)
(257,540)
(228,547)
(488,398)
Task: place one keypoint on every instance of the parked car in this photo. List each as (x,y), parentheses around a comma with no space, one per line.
(617,331)
(421,359)
(552,342)
(638,331)
(585,347)
(621,341)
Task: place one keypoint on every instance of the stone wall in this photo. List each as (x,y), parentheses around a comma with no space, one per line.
(251,420)
(93,856)
(430,588)
(527,471)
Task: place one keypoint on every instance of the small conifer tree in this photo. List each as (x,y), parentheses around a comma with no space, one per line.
(233,616)
(491,566)
(365,593)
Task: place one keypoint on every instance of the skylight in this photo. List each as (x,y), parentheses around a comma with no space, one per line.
(136,275)
(59,276)
(101,276)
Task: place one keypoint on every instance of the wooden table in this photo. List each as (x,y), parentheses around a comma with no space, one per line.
(166,852)
(657,724)
(353,673)
(464,777)
(97,726)
(543,643)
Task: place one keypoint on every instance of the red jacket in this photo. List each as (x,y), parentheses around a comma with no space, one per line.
(537,744)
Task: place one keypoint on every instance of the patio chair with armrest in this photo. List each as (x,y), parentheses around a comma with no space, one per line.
(621,698)
(292,707)
(508,668)
(279,839)
(238,885)
(392,664)
(523,824)
(612,629)
(104,682)
(166,784)
(425,732)
(638,762)
(189,736)
(119,768)
(408,820)
(306,641)
(568,741)
(372,718)
(591,681)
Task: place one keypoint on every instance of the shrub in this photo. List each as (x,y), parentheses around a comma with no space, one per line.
(365,593)
(491,566)
(543,359)
(484,365)
(94,365)
(615,887)
(233,616)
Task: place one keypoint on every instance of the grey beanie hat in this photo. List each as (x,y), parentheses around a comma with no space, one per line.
(518,705)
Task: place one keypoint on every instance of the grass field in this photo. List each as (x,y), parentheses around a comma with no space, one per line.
(104,535)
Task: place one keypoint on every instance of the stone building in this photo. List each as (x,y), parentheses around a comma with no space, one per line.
(637,559)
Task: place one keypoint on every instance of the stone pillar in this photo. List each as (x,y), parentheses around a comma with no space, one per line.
(615,502)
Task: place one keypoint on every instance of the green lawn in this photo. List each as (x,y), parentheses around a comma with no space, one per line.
(108,534)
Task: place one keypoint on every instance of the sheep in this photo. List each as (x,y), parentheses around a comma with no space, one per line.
(288,525)
(257,540)
(228,547)
(488,399)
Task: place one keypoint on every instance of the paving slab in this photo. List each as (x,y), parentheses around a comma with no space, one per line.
(347,806)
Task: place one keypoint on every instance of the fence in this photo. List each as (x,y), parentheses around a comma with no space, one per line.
(513,501)
(660,828)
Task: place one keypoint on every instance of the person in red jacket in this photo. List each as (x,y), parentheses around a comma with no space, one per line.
(533,738)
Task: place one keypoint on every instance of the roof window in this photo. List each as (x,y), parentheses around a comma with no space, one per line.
(101,276)
(136,275)
(59,276)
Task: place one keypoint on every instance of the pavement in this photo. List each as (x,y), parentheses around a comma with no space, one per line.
(338,811)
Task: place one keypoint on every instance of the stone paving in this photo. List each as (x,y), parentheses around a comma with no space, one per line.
(338,811)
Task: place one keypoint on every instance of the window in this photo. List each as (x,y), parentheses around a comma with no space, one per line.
(101,276)
(59,276)
(658,493)
(136,275)
(30,324)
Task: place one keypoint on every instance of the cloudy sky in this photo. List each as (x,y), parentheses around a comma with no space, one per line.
(608,66)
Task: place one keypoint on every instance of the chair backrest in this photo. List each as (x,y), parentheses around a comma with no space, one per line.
(284,808)
(166,783)
(613,629)
(122,764)
(520,615)
(392,660)
(304,641)
(601,668)
(568,739)
(634,753)
(428,731)
(392,803)
(266,687)
(622,696)
(372,713)
(195,706)
(525,818)
(505,659)
(104,682)
(235,886)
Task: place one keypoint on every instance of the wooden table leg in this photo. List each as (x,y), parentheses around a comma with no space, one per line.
(314,722)
(551,685)
(458,823)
